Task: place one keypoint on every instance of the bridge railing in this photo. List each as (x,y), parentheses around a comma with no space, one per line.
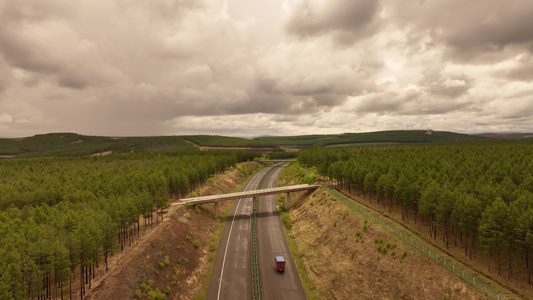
(248,194)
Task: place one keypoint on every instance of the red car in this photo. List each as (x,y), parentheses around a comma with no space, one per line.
(280,263)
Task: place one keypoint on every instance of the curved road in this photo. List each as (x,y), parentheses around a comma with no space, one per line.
(231,277)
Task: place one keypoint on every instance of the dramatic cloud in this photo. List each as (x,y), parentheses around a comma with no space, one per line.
(345,20)
(246,68)
(474,30)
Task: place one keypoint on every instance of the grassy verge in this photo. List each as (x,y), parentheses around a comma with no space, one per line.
(211,255)
(294,173)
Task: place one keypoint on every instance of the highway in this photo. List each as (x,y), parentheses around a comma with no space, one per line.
(231,276)
(271,241)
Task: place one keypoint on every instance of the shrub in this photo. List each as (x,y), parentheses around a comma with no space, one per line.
(213,246)
(156,295)
(197,244)
(183,260)
(403,255)
(137,294)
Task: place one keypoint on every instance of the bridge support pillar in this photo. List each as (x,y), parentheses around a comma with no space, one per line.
(288,201)
(216,209)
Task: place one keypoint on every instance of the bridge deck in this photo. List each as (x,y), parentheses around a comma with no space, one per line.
(247,194)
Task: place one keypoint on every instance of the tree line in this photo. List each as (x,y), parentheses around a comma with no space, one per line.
(391,136)
(225,141)
(72,144)
(61,218)
(473,194)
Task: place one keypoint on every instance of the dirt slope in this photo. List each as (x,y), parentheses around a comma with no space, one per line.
(172,260)
(347,257)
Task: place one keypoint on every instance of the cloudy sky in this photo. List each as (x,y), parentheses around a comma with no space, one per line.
(279,67)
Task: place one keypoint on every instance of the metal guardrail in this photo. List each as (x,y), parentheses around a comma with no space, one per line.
(477,282)
(256,287)
(256,290)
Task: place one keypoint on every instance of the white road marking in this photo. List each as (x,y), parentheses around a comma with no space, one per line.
(226,250)
(254,182)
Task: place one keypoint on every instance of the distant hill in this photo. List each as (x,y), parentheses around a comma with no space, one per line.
(224,141)
(72,144)
(374,138)
(509,136)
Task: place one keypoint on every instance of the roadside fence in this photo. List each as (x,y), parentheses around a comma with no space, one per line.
(479,283)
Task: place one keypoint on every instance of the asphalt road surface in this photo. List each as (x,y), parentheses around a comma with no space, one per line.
(271,242)
(231,277)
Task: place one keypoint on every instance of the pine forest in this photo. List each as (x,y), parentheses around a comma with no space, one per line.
(476,196)
(60,218)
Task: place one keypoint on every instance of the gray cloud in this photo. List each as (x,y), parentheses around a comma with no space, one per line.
(379,103)
(345,20)
(447,86)
(411,103)
(519,110)
(523,71)
(5,75)
(124,67)
(296,97)
(436,107)
(474,31)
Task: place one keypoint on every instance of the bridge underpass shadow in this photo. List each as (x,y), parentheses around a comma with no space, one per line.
(267,214)
(258,215)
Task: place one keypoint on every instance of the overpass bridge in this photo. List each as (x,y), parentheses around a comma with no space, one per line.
(248,194)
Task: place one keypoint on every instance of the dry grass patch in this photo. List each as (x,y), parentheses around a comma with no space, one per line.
(347,257)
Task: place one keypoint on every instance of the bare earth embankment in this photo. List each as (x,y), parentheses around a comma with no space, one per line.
(348,257)
(173,259)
